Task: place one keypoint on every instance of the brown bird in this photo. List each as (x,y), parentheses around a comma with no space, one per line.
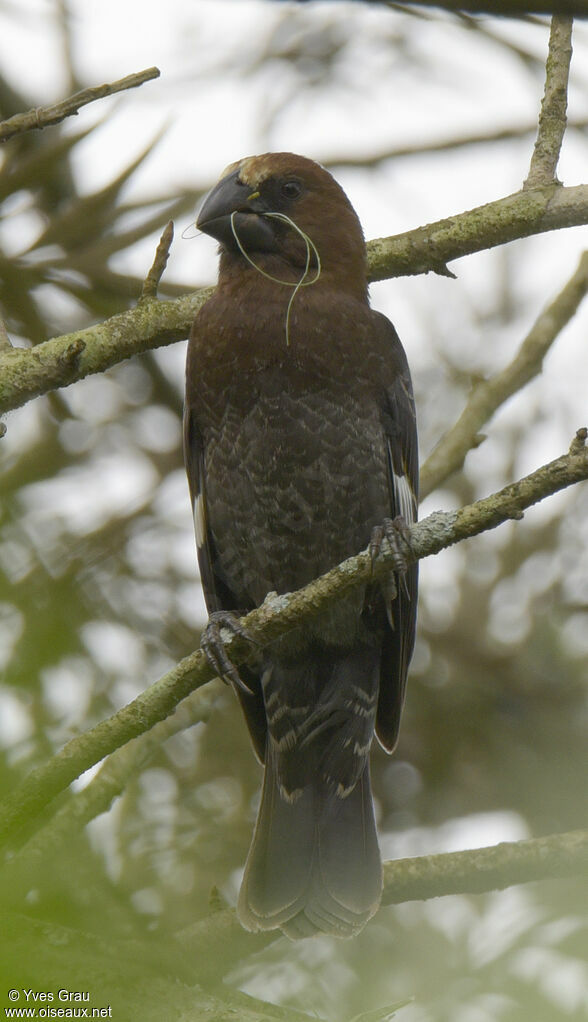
(301,448)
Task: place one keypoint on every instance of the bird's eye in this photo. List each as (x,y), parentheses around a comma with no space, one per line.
(291,189)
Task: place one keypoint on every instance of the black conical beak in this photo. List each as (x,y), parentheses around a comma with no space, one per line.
(233,208)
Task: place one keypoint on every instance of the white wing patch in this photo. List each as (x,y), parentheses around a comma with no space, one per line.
(200,520)
(404,498)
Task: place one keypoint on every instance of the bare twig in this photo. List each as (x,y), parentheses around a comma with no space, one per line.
(552,118)
(276,616)
(441,145)
(487,396)
(159,263)
(42,117)
(5,345)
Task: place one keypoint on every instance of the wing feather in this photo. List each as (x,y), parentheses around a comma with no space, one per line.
(399,425)
(216,593)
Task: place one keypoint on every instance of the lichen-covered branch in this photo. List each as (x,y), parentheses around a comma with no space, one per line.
(552,117)
(488,395)
(205,951)
(26,373)
(430,248)
(486,869)
(42,117)
(276,616)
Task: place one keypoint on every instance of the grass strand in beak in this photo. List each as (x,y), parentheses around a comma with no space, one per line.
(311,250)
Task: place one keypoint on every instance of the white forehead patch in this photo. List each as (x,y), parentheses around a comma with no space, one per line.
(254,170)
(229,170)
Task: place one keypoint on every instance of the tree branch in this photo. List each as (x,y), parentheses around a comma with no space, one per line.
(276,616)
(218,941)
(552,118)
(25,373)
(206,950)
(451,451)
(502,8)
(476,870)
(489,395)
(42,117)
(430,248)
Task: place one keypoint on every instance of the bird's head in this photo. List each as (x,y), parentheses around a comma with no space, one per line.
(281,213)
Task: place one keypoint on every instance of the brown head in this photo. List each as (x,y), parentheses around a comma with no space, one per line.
(239,210)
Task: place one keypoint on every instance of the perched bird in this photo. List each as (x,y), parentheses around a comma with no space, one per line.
(301,448)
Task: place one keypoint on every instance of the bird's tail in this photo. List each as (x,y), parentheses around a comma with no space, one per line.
(314,863)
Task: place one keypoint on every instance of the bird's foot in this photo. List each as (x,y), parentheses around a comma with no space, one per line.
(213,645)
(394,533)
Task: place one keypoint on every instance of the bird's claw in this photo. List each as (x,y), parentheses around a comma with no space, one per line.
(214,647)
(396,534)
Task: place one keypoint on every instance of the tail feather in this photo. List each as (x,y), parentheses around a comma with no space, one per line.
(314,863)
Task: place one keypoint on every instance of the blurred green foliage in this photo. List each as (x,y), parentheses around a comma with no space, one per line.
(99,595)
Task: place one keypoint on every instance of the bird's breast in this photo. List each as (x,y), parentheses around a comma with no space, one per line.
(294,483)
(295,469)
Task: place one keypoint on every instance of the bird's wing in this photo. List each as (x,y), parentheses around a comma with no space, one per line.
(194,458)
(217,594)
(399,425)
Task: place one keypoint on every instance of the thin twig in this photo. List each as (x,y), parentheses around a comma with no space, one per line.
(5,342)
(276,616)
(42,117)
(159,263)
(552,118)
(5,345)
(488,395)
(441,145)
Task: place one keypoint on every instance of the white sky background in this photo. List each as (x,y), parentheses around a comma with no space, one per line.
(450,84)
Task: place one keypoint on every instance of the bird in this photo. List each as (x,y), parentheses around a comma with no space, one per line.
(300,445)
